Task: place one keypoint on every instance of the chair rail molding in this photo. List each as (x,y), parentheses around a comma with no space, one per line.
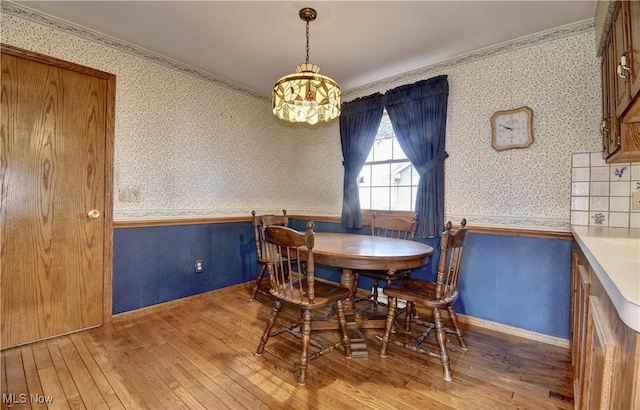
(517,222)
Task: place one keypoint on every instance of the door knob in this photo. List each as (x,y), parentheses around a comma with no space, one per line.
(94,214)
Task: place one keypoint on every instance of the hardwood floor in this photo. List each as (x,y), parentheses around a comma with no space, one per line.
(199,354)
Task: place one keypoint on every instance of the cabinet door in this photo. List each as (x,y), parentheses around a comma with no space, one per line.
(579,345)
(633,24)
(609,83)
(575,277)
(604,126)
(596,392)
(620,49)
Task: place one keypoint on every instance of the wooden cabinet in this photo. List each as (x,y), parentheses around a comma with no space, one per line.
(621,84)
(599,364)
(610,126)
(605,352)
(621,60)
(579,326)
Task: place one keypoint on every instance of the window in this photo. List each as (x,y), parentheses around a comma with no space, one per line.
(388,181)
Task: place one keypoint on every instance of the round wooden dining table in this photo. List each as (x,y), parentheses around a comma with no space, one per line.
(365,252)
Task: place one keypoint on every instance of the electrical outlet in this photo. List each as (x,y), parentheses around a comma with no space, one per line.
(198,266)
(635,205)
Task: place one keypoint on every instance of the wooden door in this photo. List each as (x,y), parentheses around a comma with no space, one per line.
(56,165)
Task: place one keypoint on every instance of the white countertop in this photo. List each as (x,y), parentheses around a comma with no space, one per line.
(614,255)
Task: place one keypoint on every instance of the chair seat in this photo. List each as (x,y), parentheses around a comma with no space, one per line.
(324,295)
(419,291)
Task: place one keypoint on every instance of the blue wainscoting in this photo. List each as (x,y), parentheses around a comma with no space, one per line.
(516,281)
(153,265)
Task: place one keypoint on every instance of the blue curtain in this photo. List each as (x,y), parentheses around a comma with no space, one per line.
(418,114)
(359,123)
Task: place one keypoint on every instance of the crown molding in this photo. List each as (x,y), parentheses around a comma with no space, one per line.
(386,83)
(501,48)
(35,16)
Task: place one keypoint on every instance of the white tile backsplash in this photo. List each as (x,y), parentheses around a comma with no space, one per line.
(580,160)
(620,172)
(580,203)
(597,159)
(579,218)
(619,204)
(620,188)
(580,188)
(600,174)
(580,174)
(601,192)
(599,188)
(599,218)
(599,203)
(619,219)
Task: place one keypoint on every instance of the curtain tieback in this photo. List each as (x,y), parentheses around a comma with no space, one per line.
(433,162)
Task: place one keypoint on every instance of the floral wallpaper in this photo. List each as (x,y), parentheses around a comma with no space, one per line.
(188,144)
(559,79)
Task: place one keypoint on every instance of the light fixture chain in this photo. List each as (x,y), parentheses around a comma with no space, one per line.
(307,41)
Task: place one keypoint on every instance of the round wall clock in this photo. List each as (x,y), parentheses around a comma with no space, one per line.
(512,129)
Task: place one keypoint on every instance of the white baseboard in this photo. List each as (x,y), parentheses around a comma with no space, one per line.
(498,327)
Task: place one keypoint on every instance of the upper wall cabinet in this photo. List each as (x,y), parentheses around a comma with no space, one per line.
(610,126)
(621,83)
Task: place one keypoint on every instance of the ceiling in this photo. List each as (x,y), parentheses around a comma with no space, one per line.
(254,43)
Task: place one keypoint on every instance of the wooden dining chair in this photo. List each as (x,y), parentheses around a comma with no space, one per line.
(391,227)
(439,295)
(289,261)
(281,220)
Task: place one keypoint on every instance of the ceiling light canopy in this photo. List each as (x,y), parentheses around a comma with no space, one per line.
(306,95)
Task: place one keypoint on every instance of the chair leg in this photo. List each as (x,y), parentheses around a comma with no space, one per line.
(374,292)
(442,340)
(408,315)
(304,353)
(393,306)
(263,268)
(456,327)
(270,322)
(342,319)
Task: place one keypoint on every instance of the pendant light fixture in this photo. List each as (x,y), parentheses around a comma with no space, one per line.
(306,95)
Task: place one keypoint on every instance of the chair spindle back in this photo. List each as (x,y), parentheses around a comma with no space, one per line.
(451,246)
(256,222)
(394,227)
(289,258)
